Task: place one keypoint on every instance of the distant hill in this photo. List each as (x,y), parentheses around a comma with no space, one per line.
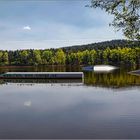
(103,45)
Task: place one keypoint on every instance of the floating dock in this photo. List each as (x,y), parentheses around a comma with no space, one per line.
(136,72)
(88,68)
(42,75)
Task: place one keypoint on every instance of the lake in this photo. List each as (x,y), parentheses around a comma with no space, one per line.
(105,105)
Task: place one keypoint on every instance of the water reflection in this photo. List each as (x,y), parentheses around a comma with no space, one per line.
(62,112)
(42,81)
(114,79)
(88,111)
(52,82)
(117,79)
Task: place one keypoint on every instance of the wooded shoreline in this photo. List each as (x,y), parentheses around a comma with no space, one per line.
(117,53)
(117,57)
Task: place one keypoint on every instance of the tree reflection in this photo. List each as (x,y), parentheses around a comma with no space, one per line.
(117,79)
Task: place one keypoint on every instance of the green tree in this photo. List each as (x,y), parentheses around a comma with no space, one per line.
(126,15)
(1,54)
(37,57)
(24,57)
(86,57)
(80,57)
(47,57)
(106,54)
(60,57)
(5,58)
(93,57)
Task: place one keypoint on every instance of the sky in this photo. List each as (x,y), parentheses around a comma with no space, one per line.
(52,23)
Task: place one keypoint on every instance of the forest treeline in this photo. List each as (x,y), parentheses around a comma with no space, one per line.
(116,56)
(113,44)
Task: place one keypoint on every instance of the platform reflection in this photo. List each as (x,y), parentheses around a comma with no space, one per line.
(42,81)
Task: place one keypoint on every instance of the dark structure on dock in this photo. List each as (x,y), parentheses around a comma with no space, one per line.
(42,75)
(136,72)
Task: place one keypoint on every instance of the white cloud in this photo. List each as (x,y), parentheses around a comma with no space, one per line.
(26,28)
(27,103)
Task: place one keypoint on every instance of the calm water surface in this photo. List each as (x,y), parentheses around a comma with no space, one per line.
(106,105)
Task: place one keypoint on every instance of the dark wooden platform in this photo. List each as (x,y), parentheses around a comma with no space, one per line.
(42,75)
